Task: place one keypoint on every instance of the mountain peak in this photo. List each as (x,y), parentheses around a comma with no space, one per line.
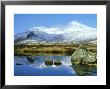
(75,23)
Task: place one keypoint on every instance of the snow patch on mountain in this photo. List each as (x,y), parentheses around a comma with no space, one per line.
(70,27)
(73,32)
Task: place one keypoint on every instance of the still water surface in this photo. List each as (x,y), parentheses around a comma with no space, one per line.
(35,66)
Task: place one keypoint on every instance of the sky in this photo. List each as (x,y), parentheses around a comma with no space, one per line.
(23,22)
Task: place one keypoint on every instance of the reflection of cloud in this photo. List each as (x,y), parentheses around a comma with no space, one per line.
(41,66)
(73,72)
(70,27)
(66,61)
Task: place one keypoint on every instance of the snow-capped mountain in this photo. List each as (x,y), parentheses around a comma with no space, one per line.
(73,32)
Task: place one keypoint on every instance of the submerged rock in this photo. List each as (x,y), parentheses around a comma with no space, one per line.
(83,56)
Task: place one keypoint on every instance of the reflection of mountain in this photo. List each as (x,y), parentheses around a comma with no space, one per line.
(31,60)
(39,61)
(75,32)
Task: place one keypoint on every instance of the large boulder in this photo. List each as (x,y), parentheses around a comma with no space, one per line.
(83,56)
(90,58)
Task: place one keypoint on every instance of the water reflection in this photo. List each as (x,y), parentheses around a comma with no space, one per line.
(49,66)
(30,59)
(84,70)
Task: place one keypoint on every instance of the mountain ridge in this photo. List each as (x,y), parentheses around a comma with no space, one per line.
(75,32)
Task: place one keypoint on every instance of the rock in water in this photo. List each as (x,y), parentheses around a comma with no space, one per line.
(83,56)
(57,62)
(48,62)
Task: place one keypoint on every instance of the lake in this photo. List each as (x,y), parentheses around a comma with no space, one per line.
(36,66)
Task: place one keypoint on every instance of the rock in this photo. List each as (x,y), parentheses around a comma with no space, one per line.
(83,56)
(90,58)
(48,62)
(18,64)
(57,62)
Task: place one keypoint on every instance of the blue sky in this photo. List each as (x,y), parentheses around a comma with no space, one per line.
(24,22)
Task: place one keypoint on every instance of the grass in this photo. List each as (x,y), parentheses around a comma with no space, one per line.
(38,49)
